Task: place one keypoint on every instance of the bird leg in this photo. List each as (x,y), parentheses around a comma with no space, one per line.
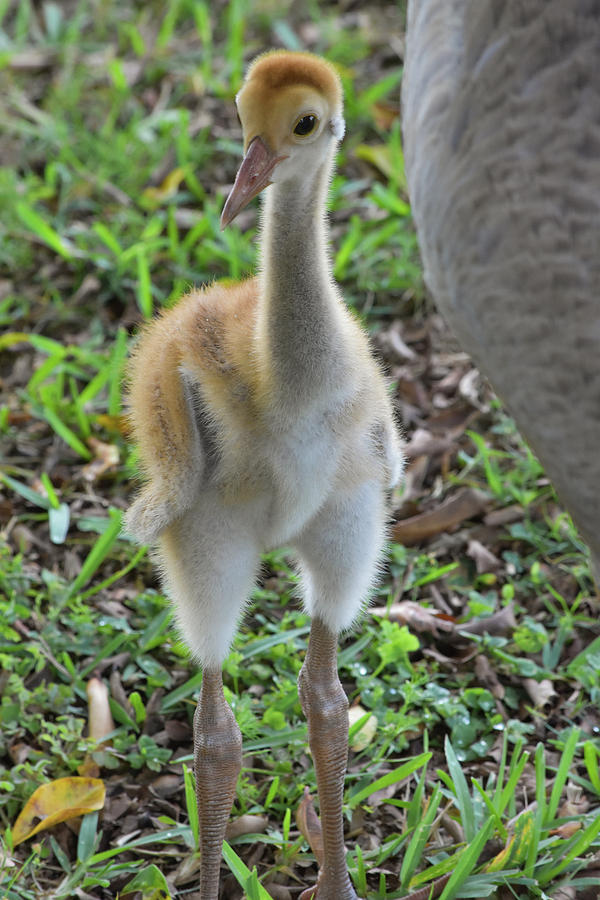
(325,706)
(217,763)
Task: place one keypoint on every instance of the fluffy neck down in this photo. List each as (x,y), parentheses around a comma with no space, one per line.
(301,316)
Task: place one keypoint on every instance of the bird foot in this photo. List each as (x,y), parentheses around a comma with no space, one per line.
(323,891)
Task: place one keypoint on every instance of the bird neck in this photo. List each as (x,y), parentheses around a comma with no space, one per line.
(300,313)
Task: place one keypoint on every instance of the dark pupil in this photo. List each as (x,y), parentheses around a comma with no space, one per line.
(305,125)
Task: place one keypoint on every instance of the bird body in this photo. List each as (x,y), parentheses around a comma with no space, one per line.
(263,419)
(501,118)
(226,449)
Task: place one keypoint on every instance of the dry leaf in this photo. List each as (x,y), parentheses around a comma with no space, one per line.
(565,893)
(485,561)
(386,793)
(453,827)
(56,802)
(470,389)
(166,785)
(309,825)
(576,803)
(488,678)
(100,721)
(424,443)
(566,830)
(89,285)
(187,870)
(415,616)
(246,824)
(32,59)
(541,692)
(19,752)
(277,891)
(431,890)
(498,624)
(309,893)
(392,341)
(465,504)
(106,456)
(366,733)
(505,516)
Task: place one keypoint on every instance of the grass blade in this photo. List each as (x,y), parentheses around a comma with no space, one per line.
(564,768)
(464,801)
(191,804)
(579,845)
(397,775)
(467,861)
(25,491)
(245,878)
(64,432)
(99,552)
(144,291)
(590,756)
(414,851)
(45,232)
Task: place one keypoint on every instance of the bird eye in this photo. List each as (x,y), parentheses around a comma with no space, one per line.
(305,125)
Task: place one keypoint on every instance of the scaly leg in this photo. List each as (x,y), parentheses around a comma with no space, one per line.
(326,708)
(217,763)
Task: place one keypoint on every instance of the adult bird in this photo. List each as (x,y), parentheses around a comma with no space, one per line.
(263,419)
(502,144)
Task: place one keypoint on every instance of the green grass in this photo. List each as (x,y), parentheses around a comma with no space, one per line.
(120,139)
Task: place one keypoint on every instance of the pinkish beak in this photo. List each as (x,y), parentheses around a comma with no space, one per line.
(253,177)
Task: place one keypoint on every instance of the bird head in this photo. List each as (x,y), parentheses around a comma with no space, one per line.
(290,107)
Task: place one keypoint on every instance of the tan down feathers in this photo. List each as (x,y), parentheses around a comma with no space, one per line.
(278,69)
(282,86)
(208,335)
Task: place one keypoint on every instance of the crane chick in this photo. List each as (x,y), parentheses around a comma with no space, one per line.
(262,419)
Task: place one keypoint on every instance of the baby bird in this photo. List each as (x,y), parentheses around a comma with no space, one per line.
(263,420)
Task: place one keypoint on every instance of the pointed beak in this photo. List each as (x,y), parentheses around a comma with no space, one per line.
(253,176)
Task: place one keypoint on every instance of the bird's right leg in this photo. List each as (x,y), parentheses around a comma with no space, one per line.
(217,763)
(326,708)
(339,551)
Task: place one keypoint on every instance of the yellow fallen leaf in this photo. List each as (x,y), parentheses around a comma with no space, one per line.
(156,195)
(56,802)
(517,847)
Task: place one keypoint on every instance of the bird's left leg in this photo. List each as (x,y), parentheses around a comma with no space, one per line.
(339,551)
(217,764)
(326,708)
